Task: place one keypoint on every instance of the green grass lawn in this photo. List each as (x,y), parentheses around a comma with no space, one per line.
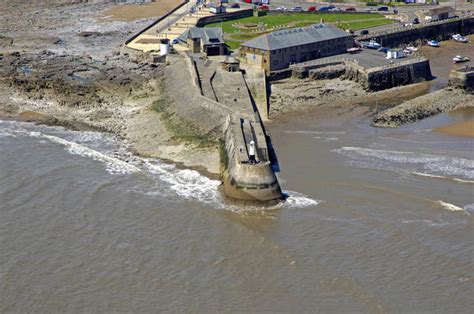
(235,35)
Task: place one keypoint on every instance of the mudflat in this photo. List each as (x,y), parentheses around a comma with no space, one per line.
(130,12)
(465,128)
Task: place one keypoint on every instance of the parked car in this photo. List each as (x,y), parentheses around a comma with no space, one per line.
(312,8)
(382,9)
(235,5)
(364,32)
(395,11)
(297,9)
(263,7)
(281,9)
(351,9)
(416,21)
(328,8)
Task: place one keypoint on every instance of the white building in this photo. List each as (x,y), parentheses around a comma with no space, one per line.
(438,14)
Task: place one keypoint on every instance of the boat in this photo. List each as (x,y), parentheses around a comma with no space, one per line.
(460,38)
(354,50)
(372,44)
(433,43)
(459,59)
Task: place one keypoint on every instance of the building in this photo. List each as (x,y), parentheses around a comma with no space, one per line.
(216,8)
(277,50)
(438,14)
(208,40)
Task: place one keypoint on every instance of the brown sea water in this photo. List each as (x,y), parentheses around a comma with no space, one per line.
(377,220)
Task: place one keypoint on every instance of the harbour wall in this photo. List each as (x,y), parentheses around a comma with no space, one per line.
(417,34)
(405,72)
(462,78)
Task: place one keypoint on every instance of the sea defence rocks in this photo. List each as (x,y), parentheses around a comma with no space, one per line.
(425,106)
(242,178)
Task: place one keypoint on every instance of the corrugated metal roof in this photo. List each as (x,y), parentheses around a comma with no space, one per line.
(295,37)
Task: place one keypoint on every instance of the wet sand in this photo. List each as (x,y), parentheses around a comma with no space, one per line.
(135,12)
(441,57)
(465,129)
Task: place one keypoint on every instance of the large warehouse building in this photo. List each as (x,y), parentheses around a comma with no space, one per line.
(277,50)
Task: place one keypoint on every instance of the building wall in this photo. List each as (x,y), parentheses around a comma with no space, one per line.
(281,58)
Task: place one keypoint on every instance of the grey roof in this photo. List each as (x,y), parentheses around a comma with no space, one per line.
(295,37)
(208,35)
(439,10)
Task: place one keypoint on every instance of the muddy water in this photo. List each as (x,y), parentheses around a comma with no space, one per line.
(376,221)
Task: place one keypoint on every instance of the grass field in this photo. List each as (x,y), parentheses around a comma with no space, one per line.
(237,31)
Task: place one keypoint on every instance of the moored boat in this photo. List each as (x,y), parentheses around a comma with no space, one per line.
(460,38)
(459,59)
(433,43)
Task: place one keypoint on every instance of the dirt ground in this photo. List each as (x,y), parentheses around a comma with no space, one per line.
(131,12)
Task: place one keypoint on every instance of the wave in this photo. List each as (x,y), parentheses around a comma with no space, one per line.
(421,174)
(451,207)
(432,165)
(114,154)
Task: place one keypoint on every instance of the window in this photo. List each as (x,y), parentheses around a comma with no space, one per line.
(275,62)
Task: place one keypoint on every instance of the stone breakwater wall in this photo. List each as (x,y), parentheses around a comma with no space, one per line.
(462,78)
(223,17)
(419,34)
(242,179)
(181,89)
(372,79)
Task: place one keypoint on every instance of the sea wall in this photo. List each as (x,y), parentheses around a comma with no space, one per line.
(462,78)
(242,179)
(420,33)
(224,17)
(398,75)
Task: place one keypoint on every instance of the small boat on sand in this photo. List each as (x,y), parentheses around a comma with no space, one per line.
(460,38)
(433,43)
(459,59)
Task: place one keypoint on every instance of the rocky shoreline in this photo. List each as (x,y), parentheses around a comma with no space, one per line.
(444,100)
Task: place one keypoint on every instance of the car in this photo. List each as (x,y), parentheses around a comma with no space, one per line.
(395,11)
(263,7)
(364,32)
(351,9)
(235,6)
(312,8)
(297,9)
(281,9)
(416,21)
(382,9)
(257,3)
(328,8)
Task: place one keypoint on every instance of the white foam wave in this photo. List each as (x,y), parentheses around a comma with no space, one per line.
(299,200)
(421,174)
(189,184)
(469,208)
(113,165)
(451,207)
(435,165)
